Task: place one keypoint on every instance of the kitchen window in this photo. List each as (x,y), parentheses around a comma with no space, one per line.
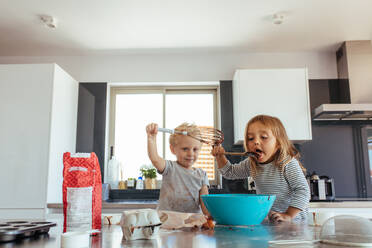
(133,108)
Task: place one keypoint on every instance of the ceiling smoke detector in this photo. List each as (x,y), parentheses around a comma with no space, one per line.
(49,21)
(278,18)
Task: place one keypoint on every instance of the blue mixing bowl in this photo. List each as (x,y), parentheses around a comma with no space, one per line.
(238,209)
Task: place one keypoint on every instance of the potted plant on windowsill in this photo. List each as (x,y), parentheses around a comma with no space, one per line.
(149,173)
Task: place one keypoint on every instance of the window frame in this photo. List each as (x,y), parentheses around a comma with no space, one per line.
(364,162)
(164,90)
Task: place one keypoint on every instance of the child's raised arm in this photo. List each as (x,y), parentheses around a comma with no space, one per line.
(219,153)
(152,151)
(229,171)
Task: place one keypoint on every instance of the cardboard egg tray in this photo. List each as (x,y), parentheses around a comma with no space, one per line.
(13,230)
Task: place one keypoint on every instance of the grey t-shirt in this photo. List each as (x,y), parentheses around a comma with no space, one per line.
(180,188)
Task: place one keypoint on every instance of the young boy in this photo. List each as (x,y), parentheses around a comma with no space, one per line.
(182,184)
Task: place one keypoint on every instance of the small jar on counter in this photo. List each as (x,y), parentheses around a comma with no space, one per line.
(122,185)
(131,183)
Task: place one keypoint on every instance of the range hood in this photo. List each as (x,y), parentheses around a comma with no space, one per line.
(350,111)
(354,101)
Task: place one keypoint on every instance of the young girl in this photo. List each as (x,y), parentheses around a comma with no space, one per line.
(275,168)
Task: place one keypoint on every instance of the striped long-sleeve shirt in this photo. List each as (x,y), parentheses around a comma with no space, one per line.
(288,184)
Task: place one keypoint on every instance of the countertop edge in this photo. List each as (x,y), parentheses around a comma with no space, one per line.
(115,205)
(153,204)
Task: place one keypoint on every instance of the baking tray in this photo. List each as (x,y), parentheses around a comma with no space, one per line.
(13,230)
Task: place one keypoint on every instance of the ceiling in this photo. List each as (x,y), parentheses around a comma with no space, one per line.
(140,26)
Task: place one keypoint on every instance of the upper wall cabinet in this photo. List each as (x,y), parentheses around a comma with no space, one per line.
(283,93)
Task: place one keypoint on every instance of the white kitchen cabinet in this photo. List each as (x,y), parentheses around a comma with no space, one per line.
(283,93)
(38,109)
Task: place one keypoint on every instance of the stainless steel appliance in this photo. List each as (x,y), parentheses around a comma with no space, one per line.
(322,188)
(343,112)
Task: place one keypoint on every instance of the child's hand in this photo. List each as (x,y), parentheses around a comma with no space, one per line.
(209,224)
(279,217)
(152,130)
(218,151)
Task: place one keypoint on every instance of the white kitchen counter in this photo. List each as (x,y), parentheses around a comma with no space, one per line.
(341,204)
(130,204)
(110,207)
(361,208)
(135,204)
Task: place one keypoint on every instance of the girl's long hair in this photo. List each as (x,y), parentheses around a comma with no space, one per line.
(286,149)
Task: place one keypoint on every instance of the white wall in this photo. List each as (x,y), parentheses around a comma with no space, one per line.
(62,131)
(183,67)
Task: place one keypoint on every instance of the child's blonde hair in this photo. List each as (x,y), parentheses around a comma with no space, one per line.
(286,149)
(191,129)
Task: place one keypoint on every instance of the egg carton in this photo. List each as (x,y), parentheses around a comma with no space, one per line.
(14,230)
(140,224)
